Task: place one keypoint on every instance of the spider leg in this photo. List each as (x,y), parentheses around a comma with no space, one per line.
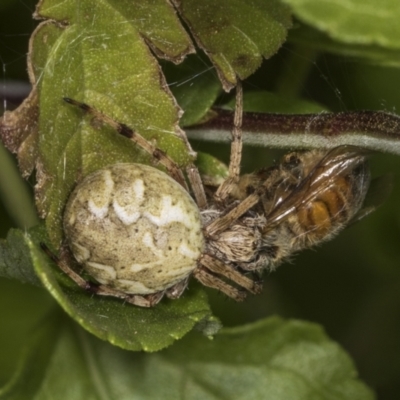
(218,267)
(197,186)
(158,154)
(222,223)
(176,291)
(209,280)
(102,290)
(236,149)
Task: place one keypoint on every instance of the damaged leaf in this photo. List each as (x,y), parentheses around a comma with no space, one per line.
(236,35)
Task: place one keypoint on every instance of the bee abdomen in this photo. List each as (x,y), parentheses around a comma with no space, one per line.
(327,195)
(327,212)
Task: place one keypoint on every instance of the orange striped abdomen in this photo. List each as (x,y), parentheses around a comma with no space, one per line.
(330,211)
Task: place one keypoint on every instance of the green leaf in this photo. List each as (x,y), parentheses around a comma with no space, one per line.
(195,87)
(271,359)
(268,102)
(15,257)
(32,369)
(100,58)
(235,35)
(213,171)
(156,21)
(353,21)
(14,192)
(21,308)
(320,41)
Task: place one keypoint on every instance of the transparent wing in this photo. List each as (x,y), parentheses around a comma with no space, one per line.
(339,161)
(379,190)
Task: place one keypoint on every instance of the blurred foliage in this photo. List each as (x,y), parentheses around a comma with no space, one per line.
(350,286)
(16,26)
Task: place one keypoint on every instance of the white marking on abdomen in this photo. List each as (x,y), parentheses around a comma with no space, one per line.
(98,212)
(101,211)
(123,214)
(138,188)
(185,251)
(149,242)
(135,287)
(137,267)
(110,271)
(169,213)
(81,253)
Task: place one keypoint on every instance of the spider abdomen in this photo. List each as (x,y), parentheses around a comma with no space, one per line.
(133,228)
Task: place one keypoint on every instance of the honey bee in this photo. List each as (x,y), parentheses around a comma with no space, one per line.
(304,200)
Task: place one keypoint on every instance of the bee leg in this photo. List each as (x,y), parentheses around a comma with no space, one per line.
(102,290)
(261,263)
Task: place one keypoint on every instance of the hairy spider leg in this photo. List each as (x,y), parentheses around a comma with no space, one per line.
(174,292)
(226,187)
(124,130)
(211,281)
(222,223)
(197,186)
(217,266)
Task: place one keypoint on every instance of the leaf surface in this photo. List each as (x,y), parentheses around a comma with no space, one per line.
(236,35)
(271,359)
(320,41)
(15,257)
(353,21)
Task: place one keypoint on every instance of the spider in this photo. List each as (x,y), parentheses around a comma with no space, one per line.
(142,233)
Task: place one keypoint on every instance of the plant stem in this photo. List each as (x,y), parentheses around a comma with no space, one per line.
(374,130)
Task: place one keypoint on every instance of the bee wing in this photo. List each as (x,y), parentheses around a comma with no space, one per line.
(379,190)
(338,161)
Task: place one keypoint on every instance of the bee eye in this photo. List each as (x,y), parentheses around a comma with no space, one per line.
(291,161)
